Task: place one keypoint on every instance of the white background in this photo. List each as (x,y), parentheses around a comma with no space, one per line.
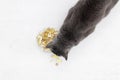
(95,58)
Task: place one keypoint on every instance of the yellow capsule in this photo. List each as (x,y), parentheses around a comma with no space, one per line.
(39,42)
(55,56)
(59,60)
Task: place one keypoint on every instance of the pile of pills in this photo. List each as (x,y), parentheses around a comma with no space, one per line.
(46,37)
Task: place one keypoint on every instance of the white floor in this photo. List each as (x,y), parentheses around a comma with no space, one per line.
(95,58)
